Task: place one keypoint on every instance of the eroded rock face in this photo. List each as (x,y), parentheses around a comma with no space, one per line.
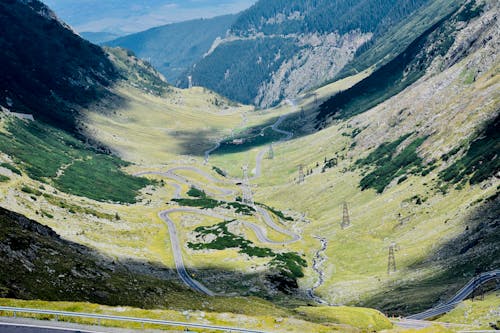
(321,58)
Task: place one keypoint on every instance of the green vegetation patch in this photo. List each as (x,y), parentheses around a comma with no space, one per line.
(51,155)
(290,264)
(11,168)
(29,190)
(4,179)
(481,160)
(276,212)
(219,171)
(196,193)
(390,167)
(209,203)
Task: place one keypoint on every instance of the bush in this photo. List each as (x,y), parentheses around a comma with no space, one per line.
(11,168)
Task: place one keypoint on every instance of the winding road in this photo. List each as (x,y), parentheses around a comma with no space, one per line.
(260,232)
(462,294)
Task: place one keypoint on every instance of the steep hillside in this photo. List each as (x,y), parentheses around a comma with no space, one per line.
(406,68)
(47,70)
(39,264)
(174,48)
(295,46)
(420,169)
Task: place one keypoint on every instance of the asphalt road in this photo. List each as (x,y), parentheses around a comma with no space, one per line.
(40,328)
(260,232)
(462,294)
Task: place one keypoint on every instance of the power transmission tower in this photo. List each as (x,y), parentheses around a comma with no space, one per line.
(245,188)
(302,176)
(346,221)
(270,153)
(391,263)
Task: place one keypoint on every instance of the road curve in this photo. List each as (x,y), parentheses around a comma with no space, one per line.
(462,294)
(259,231)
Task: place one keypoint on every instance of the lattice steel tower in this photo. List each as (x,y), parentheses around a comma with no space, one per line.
(302,176)
(245,188)
(391,263)
(270,152)
(346,221)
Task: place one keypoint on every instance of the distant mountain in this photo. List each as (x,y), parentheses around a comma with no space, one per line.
(278,49)
(122,17)
(99,37)
(174,48)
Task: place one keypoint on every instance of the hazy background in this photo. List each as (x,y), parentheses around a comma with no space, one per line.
(120,17)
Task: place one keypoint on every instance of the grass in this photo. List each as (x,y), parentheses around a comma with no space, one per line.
(256,315)
(52,156)
(368,320)
(251,140)
(181,120)
(4,179)
(479,313)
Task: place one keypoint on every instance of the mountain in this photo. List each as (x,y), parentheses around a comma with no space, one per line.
(98,37)
(379,189)
(122,17)
(174,48)
(47,70)
(51,72)
(278,49)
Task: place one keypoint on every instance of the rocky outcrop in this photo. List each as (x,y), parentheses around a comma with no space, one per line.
(321,58)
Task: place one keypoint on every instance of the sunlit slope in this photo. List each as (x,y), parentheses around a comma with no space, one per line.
(426,218)
(154,129)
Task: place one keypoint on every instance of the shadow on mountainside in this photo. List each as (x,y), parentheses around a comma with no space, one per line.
(196,142)
(38,264)
(475,251)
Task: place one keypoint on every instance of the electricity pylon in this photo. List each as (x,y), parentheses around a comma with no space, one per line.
(270,152)
(346,221)
(302,176)
(391,263)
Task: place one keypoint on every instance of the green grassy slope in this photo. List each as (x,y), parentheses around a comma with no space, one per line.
(53,156)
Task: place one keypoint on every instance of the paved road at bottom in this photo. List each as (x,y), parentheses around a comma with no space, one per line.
(27,328)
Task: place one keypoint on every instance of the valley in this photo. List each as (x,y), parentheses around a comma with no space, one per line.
(344,206)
